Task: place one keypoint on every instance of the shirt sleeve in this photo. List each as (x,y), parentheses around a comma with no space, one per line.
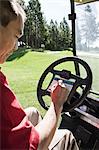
(17,132)
(24,136)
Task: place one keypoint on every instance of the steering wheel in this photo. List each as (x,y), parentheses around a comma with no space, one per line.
(74,98)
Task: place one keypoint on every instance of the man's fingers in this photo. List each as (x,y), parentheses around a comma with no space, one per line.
(55,93)
(59,92)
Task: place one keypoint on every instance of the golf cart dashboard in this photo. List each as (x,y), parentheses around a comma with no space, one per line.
(83,121)
(88,111)
(88,118)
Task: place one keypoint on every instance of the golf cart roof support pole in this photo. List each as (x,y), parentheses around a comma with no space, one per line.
(72,17)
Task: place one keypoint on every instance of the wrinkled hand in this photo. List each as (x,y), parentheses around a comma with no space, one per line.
(59,93)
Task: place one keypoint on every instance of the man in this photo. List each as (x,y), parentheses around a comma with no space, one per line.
(16,128)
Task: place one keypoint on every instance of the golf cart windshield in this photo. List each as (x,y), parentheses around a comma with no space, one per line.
(83,20)
(87,36)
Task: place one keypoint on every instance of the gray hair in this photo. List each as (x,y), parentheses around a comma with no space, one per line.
(9,11)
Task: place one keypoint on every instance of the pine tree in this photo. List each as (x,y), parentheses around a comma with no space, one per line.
(89,27)
(65,34)
(34,26)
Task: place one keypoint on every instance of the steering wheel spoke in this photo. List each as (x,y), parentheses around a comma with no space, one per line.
(44,92)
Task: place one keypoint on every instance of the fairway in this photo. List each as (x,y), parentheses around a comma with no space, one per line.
(23,74)
(93,61)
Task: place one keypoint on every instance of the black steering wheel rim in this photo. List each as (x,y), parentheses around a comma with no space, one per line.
(87,81)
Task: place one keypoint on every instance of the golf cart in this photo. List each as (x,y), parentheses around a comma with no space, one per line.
(81,112)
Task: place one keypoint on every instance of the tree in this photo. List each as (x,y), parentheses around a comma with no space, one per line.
(34,27)
(78,37)
(59,37)
(53,34)
(65,36)
(89,27)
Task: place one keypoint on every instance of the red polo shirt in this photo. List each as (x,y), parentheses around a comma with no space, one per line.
(16,131)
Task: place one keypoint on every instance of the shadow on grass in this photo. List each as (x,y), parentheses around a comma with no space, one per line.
(18,54)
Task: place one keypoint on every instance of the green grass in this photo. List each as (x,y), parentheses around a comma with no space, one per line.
(94,65)
(23,74)
(24,69)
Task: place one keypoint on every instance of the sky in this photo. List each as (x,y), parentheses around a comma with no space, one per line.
(57,9)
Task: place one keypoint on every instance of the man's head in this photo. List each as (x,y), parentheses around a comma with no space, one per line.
(12,18)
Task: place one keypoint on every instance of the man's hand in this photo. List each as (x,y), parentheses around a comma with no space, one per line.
(59,93)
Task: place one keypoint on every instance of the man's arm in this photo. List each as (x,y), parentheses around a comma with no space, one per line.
(46,128)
